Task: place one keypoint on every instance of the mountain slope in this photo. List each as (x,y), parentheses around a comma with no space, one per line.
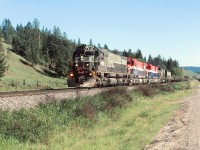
(191,68)
(21,75)
(191,74)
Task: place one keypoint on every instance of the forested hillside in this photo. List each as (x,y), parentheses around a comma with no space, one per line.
(40,46)
(53,49)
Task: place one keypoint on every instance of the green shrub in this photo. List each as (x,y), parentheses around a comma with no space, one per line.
(181,86)
(147,90)
(153,89)
(88,111)
(116,97)
(24,125)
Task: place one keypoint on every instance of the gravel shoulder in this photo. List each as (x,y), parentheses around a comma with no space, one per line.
(182,132)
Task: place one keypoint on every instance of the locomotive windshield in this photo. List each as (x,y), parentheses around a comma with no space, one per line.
(84,51)
(89,53)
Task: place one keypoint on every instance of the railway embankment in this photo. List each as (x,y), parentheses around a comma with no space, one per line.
(113,119)
(13,101)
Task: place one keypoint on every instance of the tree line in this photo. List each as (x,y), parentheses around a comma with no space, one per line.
(53,49)
(40,46)
(167,64)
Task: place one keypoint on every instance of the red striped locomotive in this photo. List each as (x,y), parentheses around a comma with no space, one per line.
(93,67)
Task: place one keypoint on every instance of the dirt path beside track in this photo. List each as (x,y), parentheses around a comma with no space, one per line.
(183,131)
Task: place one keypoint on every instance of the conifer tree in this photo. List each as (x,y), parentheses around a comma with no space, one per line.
(150,59)
(130,54)
(90,42)
(99,45)
(138,54)
(74,41)
(79,42)
(115,51)
(65,36)
(145,59)
(125,53)
(1,34)
(8,30)
(105,46)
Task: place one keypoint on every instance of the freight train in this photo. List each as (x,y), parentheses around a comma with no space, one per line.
(95,67)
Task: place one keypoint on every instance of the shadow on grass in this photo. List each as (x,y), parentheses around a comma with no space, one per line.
(44,71)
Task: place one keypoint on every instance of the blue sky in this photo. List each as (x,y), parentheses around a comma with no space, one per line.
(170,28)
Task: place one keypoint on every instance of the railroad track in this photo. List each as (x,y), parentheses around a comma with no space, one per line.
(51,91)
(48,91)
(39,92)
(28,99)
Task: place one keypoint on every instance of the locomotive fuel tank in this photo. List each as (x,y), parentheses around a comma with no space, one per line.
(112,81)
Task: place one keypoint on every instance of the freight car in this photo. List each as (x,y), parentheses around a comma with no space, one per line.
(93,67)
(165,76)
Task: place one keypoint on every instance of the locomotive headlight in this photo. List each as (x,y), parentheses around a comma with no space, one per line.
(76,65)
(71,74)
(81,58)
(87,64)
(90,74)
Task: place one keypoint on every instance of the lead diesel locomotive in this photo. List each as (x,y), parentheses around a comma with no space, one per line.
(94,67)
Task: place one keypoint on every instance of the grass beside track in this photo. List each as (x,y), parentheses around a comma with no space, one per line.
(116,119)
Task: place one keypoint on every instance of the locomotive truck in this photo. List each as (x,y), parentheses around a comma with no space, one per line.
(95,67)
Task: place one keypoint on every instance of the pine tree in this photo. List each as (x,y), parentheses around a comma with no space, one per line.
(3,66)
(138,54)
(79,42)
(74,41)
(8,31)
(19,42)
(1,33)
(99,45)
(65,36)
(150,59)
(105,46)
(145,59)
(115,51)
(61,63)
(90,42)
(170,65)
(130,54)
(125,53)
